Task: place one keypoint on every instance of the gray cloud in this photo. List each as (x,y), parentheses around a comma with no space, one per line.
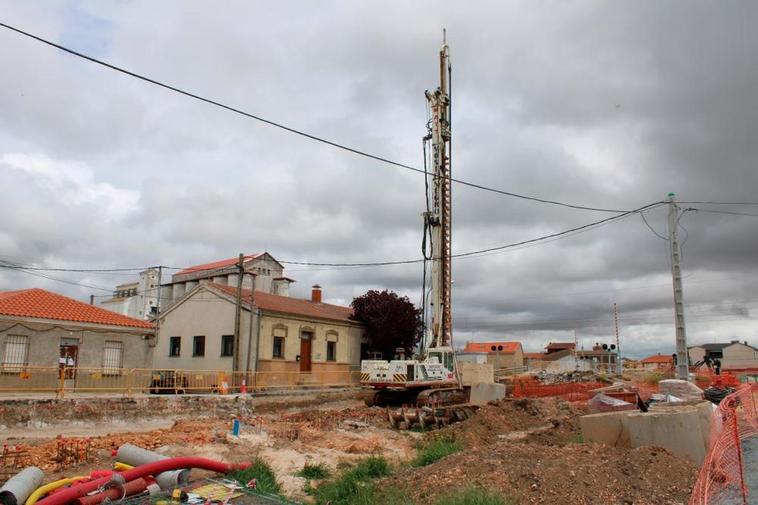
(593,103)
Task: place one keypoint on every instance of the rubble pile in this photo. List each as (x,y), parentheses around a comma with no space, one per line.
(578,473)
(531,451)
(61,453)
(527,416)
(546,377)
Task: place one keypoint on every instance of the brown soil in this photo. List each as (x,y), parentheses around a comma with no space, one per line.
(574,474)
(530,450)
(542,420)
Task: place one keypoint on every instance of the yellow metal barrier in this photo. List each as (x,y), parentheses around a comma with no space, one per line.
(64,380)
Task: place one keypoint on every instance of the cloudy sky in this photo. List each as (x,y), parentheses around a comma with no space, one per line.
(604,104)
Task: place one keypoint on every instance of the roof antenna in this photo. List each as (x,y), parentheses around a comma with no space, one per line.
(444,36)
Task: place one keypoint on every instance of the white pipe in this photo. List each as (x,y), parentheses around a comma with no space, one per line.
(136,456)
(20,486)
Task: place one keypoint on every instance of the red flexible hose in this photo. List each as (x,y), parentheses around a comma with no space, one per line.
(114,493)
(154,468)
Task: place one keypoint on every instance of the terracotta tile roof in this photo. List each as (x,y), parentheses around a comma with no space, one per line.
(502,347)
(657,359)
(533,355)
(287,305)
(557,346)
(216,264)
(41,304)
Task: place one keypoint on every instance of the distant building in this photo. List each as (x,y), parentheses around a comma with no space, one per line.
(734,356)
(559,346)
(141,299)
(657,362)
(277,333)
(137,299)
(601,359)
(45,329)
(498,354)
(560,362)
(532,357)
(267,272)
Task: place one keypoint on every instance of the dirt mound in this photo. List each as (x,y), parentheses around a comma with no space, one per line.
(540,420)
(574,474)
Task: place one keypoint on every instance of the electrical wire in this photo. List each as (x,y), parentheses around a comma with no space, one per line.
(486,250)
(56,279)
(710,211)
(721,203)
(295,131)
(642,215)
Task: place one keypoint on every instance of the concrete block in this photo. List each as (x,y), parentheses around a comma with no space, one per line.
(484,392)
(476,372)
(677,429)
(704,411)
(605,428)
(681,389)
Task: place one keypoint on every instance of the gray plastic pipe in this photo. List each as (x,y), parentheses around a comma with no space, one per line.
(136,456)
(20,486)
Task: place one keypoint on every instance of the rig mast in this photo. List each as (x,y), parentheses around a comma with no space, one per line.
(439,217)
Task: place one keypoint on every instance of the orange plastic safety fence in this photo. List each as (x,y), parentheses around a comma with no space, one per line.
(572,391)
(723,479)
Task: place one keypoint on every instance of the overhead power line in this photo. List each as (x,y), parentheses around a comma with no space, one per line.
(34,270)
(486,250)
(710,211)
(721,203)
(22,269)
(295,131)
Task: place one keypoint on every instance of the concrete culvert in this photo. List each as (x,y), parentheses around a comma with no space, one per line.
(20,486)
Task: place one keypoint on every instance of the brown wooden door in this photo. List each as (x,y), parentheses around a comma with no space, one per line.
(68,357)
(306,339)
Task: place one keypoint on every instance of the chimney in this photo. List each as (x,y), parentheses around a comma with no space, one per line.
(92,299)
(316,293)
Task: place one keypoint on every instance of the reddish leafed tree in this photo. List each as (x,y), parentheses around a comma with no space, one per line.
(391,321)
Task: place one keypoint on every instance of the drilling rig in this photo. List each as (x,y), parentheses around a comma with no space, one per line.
(429,388)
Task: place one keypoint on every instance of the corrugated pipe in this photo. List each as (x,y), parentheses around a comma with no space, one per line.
(20,486)
(115,493)
(68,495)
(135,456)
(42,491)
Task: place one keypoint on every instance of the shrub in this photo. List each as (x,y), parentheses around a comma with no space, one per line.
(314,472)
(435,450)
(472,496)
(653,378)
(262,473)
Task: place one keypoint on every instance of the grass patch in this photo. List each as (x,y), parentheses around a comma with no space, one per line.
(577,438)
(354,486)
(263,475)
(472,496)
(314,472)
(435,450)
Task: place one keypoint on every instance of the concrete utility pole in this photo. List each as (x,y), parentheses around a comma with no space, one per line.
(619,368)
(237,311)
(682,360)
(158,301)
